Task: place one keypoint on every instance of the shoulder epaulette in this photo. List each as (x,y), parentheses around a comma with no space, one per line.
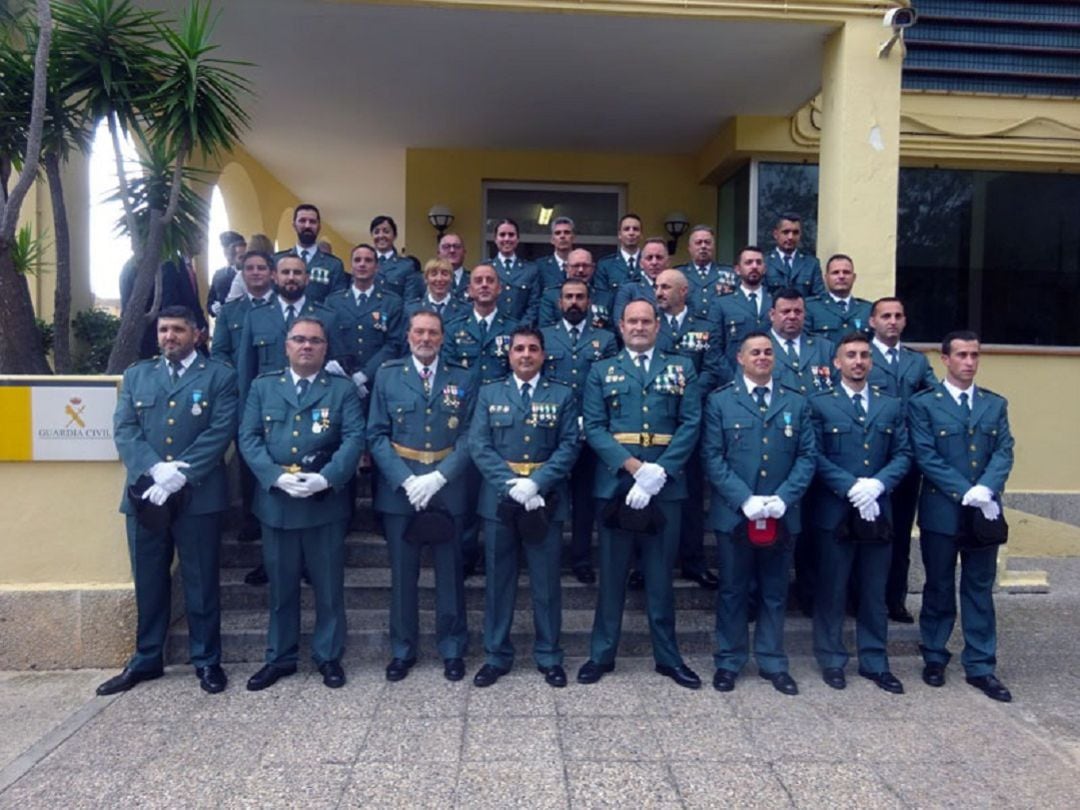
(276,373)
(396,361)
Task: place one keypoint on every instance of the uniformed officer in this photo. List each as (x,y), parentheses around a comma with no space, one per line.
(572,346)
(708,280)
(520,287)
(452,248)
(417,431)
(642,412)
(174,420)
(368,326)
(964,448)
(758,450)
(302,434)
(746,310)
(235,246)
(624,265)
(682,332)
(481,343)
(864,454)
(439,293)
(326,273)
(838,312)
(552,268)
(524,439)
(787,266)
(398,273)
(257,275)
(654,260)
(579,267)
(899,372)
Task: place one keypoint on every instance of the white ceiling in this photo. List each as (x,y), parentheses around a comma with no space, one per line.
(339,83)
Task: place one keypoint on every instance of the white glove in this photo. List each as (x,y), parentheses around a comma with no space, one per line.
(865,491)
(637,497)
(521,489)
(775,507)
(991,511)
(870,512)
(291,485)
(651,477)
(755,507)
(167,474)
(215,308)
(360,381)
(422,488)
(535,502)
(334,367)
(311,483)
(978,495)
(156,494)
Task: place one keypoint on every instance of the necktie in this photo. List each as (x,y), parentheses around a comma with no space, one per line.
(673,322)
(383,260)
(175,367)
(754,303)
(575,333)
(305,255)
(483,329)
(257,302)
(425,376)
(860,411)
(703,271)
(290,316)
(793,355)
(301,389)
(632,265)
(760,393)
(787,264)
(439,309)
(964,407)
(525,397)
(507,263)
(892,357)
(642,361)
(843,307)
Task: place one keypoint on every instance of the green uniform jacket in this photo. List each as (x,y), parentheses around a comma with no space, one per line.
(569,364)
(277,432)
(746,452)
(911,374)
(262,340)
(666,401)
(612,272)
(488,357)
(814,371)
(325,271)
(707,285)
(367,334)
(600,308)
(193,421)
(521,290)
(824,317)
(401,275)
(805,275)
(228,327)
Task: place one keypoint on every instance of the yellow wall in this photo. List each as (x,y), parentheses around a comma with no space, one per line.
(656,185)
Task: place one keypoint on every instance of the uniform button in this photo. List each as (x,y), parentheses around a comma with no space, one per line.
(359,340)
(942,433)
(764,456)
(866,447)
(973,448)
(427,410)
(172,403)
(764,439)
(644,408)
(866,462)
(295,418)
(971,432)
(358,326)
(294,450)
(573,371)
(427,428)
(528,438)
(171,421)
(644,393)
(763,474)
(974,464)
(525,456)
(427,445)
(168,440)
(296,433)
(268,418)
(168,458)
(645,426)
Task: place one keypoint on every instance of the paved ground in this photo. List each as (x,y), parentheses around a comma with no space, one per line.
(635,740)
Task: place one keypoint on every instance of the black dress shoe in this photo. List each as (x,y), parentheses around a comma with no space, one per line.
(705,578)
(991,687)
(212,679)
(934,674)
(332,674)
(782,682)
(487,675)
(554,675)
(585,574)
(591,671)
(453,669)
(723,680)
(268,676)
(398,668)
(681,674)
(901,614)
(256,576)
(834,677)
(885,680)
(636,581)
(127,679)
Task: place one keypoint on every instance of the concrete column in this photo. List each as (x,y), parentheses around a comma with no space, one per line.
(860,153)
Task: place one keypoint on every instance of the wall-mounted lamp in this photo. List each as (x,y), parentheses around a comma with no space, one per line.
(440,218)
(543,219)
(675,224)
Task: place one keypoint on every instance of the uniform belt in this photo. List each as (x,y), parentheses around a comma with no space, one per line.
(644,439)
(524,467)
(423,456)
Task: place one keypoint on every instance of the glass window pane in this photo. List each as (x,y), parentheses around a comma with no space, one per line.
(784,188)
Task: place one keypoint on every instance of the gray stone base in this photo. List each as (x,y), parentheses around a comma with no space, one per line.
(66,628)
(1060,506)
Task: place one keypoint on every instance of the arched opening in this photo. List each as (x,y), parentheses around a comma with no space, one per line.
(109,249)
(219,222)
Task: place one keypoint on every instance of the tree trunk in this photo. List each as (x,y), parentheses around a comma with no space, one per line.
(62,298)
(135,319)
(21,351)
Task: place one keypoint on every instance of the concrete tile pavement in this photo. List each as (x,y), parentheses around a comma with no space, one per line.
(634,740)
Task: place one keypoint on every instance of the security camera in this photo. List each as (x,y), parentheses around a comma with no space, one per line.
(899,18)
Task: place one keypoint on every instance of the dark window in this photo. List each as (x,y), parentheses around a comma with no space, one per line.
(787,187)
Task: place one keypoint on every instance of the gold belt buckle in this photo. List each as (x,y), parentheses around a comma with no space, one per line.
(646,439)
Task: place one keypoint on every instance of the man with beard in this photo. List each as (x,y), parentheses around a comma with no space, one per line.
(235,247)
(325,271)
(524,438)
(417,432)
(519,280)
(642,411)
(579,267)
(553,270)
(746,310)
(624,265)
(302,434)
(573,345)
(787,266)
(838,312)
(175,418)
(452,249)
(708,280)
(398,273)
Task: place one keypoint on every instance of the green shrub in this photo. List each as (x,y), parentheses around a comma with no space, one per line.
(95,331)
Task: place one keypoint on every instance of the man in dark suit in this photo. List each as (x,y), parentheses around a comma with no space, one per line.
(302,435)
(325,270)
(174,420)
(899,372)
(787,266)
(235,247)
(624,265)
(964,448)
(553,271)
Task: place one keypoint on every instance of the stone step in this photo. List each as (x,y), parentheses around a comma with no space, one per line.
(370,588)
(244,634)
